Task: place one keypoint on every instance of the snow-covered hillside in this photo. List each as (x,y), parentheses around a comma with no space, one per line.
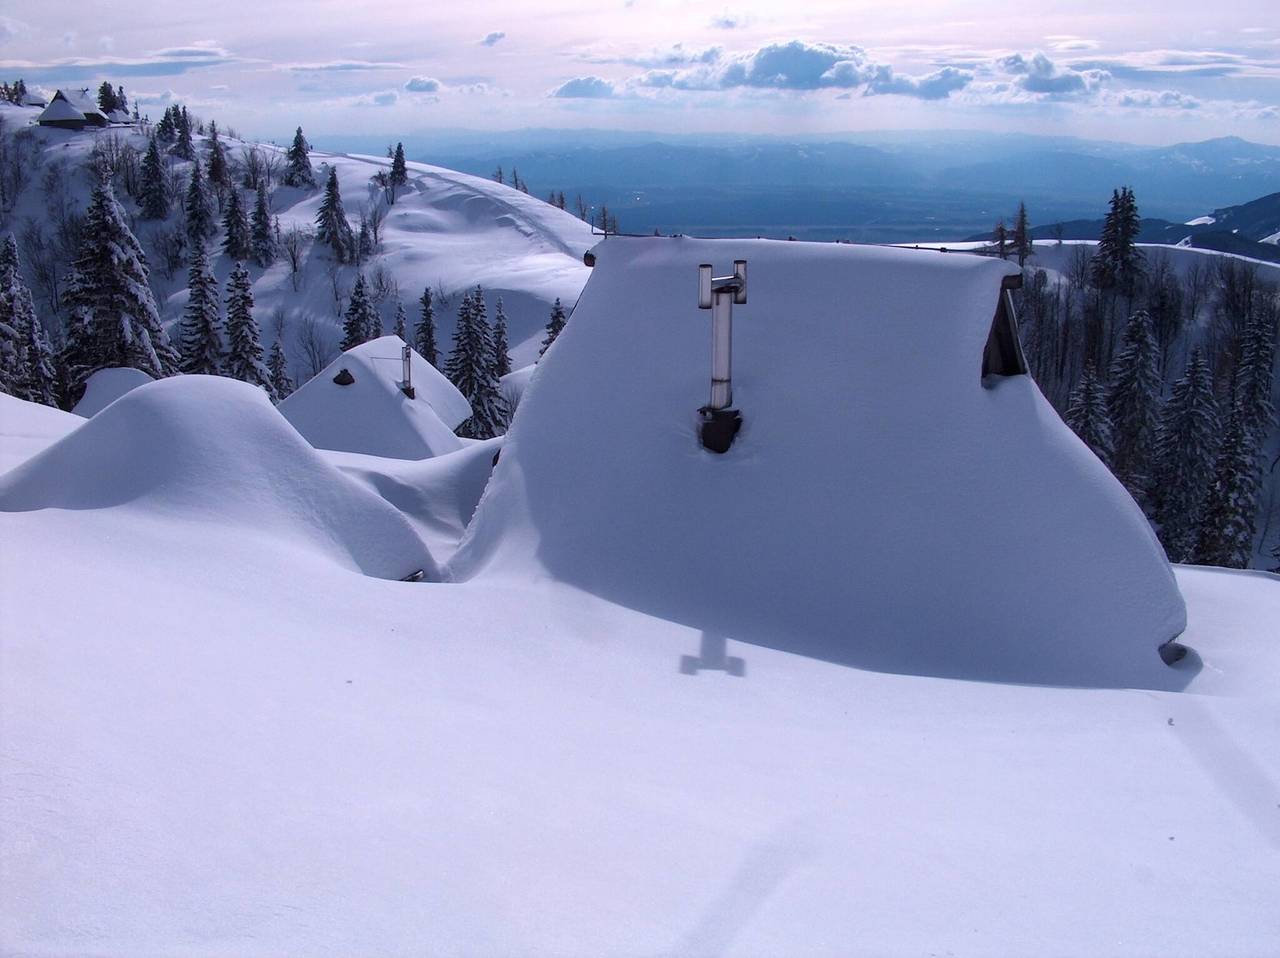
(447,231)
(218,743)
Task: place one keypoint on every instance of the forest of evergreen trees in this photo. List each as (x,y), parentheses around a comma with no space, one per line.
(1168,377)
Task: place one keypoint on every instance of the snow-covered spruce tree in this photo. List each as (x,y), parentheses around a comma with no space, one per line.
(297,171)
(554,326)
(40,384)
(114,319)
(470,368)
(375,325)
(1088,417)
(364,241)
(1134,403)
(237,241)
(1000,239)
(153,197)
(262,234)
(332,228)
(1254,380)
(201,338)
(244,349)
(13,353)
(198,207)
(1117,261)
(357,324)
(107,101)
(401,322)
(424,336)
(501,356)
(278,370)
(1184,458)
(1227,523)
(183,146)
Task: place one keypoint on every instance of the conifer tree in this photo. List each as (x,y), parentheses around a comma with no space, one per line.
(501,356)
(199,209)
(1254,380)
(114,318)
(153,196)
(1184,458)
(399,171)
(424,337)
(470,368)
(1227,525)
(41,383)
(1088,417)
(297,170)
(244,350)
(357,325)
(1000,237)
(332,228)
(1134,402)
(201,336)
(375,324)
(264,247)
(278,370)
(107,101)
(401,321)
(1117,262)
(364,242)
(183,147)
(219,173)
(237,241)
(122,102)
(554,326)
(13,353)
(167,128)
(1022,235)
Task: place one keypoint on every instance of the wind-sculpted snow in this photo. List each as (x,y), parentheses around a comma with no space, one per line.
(371,414)
(880,508)
(106,386)
(213,451)
(27,428)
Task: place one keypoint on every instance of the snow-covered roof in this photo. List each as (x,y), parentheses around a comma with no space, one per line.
(881,506)
(372,414)
(82,100)
(60,109)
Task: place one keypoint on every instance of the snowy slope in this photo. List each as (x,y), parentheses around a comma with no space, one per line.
(215,453)
(448,231)
(284,758)
(27,428)
(106,386)
(373,415)
(880,508)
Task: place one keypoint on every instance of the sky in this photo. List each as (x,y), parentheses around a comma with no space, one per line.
(1142,72)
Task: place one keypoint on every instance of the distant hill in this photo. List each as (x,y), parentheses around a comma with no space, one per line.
(1248,229)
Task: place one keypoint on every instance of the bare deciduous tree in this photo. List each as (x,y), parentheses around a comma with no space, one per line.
(315,345)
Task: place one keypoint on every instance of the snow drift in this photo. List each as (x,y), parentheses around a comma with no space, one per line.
(106,386)
(880,508)
(212,450)
(28,427)
(372,415)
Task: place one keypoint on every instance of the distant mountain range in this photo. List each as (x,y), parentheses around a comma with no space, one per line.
(873,187)
(1248,229)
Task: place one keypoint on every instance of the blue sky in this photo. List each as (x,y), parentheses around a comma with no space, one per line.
(1145,72)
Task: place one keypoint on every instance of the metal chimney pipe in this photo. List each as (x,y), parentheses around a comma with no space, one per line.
(406,371)
(720,423)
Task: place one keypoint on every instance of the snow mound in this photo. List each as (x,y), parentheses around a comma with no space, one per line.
(106,386)
(212,450)
(880,508)
(26,428)
(372,414)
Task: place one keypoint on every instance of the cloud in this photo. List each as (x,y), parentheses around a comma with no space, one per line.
(676,55)
(727,21)
(422,85)
(1038,74)
(171,61)
(11,29)
(1067,43)
(340,66)
(491,38)
(377,98)
(1155,99)
(933,86)
(584,88)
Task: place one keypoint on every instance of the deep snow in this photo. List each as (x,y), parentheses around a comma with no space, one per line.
(881,507)
(106,386)
(373,414)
